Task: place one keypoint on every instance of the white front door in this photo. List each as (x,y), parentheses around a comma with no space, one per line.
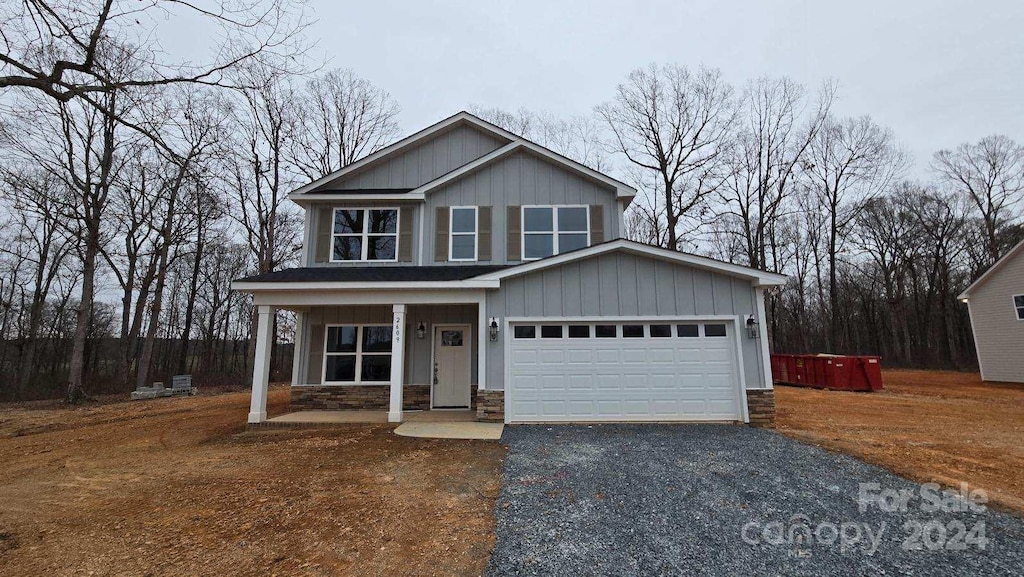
(661,369)
(451,366)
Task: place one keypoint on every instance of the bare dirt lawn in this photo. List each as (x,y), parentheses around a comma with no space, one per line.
(930,426)
(176,487)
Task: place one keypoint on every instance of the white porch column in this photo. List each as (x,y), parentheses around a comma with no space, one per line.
(299,353)
(261,364)
(483,336)
(762,328)
(397,363)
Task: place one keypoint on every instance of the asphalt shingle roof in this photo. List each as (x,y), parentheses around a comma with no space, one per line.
(405,273)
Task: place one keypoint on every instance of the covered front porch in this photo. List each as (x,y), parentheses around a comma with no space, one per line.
(379,356)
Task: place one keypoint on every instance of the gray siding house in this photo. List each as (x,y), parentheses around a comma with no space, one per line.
(466,267)
(996,305)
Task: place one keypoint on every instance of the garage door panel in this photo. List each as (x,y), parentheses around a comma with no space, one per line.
(632,379)
(636,356)
(579,383)
(580,356)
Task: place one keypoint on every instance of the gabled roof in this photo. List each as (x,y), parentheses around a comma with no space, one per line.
(756,276)
(992,270)
(514,143)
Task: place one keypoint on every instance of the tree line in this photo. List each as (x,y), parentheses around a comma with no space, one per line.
(136,189)
(768,175)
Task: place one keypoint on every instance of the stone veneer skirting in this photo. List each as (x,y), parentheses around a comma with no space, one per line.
(761,407)
(362,397)
(490,406)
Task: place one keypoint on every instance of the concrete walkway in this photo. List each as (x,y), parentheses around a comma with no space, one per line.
(427,424)
(451,430)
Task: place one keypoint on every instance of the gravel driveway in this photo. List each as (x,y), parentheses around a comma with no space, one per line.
(724,500)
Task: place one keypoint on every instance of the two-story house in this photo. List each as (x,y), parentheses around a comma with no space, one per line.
(467,267)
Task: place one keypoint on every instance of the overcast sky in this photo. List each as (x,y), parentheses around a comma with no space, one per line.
(937,72)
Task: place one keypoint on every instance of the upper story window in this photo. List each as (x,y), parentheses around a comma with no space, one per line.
(1018,303)
(365,234)
(550,230)
(462,236)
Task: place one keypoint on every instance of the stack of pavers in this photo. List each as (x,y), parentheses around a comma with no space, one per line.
(181,385)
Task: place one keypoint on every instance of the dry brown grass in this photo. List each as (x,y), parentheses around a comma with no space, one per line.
(176,487)
(940,426)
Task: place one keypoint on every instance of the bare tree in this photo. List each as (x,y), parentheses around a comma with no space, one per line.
(194,127)
(579,138)
(59,47)
(849,162)
(37,216)
(342,118)
(775,127)
(674,124)
(991,172)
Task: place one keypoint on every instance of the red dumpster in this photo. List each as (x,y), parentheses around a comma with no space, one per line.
(841,373)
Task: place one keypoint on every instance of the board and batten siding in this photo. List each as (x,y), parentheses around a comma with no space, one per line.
(617,284)
(418,368)
(998,334)
(427,161)
(520,179)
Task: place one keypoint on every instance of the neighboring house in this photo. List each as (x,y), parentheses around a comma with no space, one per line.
(996,305)
(466,267)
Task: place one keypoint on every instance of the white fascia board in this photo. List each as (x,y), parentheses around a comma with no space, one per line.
(758,278)
(991,270)
(622,190)
(467,168)
(405,143)
(255,287)
(304,199)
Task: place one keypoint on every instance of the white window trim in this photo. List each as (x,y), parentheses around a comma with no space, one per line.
(475,234)
(554,227)
(358,353)
(365,235)
(1019,311)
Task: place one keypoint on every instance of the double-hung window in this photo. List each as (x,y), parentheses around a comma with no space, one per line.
(550,230)
(1018,303)
(364,234)
(357,354)
(463,234)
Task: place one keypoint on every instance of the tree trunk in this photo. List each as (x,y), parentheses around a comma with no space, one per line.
(83,317)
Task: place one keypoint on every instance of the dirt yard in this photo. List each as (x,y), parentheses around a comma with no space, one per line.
(176,487)
(936,426)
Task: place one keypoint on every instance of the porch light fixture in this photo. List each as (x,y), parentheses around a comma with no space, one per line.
(421,331)
(492,328)
(752,331)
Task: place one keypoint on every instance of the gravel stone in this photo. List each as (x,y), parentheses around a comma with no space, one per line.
(674,500)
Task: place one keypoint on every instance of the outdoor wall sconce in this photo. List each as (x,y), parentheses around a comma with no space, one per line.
(421,331)
(752,332)
(492,328)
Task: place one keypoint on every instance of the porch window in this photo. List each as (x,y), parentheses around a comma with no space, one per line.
(550,230)
(364,234)
(463,234)
(1018,303)
(357,354)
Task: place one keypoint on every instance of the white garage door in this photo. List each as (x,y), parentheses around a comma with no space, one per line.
(627,371)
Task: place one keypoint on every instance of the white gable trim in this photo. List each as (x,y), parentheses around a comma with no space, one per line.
(757,277)
(621,190)
(403,144)
(992,270)
(303,193)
